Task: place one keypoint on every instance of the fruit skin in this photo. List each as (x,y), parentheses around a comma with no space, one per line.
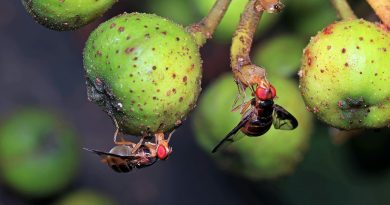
(63,15)
(269,156)
(229,23)
(345,75)
(144,70)
(38,153)
(85,197)
(281,55)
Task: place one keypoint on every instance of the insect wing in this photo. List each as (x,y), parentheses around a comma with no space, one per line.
(233,135)
(106,154)
(282,119)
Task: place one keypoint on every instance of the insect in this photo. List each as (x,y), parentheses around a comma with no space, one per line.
(262,113)
(127,155)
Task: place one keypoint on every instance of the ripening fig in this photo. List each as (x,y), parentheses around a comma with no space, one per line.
(345,76)
(144,70)
(63,15)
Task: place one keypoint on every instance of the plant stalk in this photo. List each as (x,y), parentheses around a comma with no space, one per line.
(245,73)
(343,9)
(382,9)
(204,29)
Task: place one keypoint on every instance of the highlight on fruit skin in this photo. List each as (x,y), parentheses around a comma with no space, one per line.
(64,15)
(144,70)
(276,153)
(345,76)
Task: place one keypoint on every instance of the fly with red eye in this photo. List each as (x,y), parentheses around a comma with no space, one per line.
(127,155)
(258,115)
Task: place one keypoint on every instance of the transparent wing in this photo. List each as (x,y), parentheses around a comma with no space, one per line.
(233,135)
(105,154)
(282,119)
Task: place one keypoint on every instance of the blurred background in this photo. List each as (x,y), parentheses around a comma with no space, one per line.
(46,120)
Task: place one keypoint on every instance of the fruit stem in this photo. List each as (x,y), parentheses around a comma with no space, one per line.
(240,61)
(382,9)
(204,29)
(343,8)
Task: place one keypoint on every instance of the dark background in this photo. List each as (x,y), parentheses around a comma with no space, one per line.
(44,68)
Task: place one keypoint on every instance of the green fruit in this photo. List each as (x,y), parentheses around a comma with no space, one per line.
(271,155)
(144,70)
(63,15)
(85,197)
(345,75)
(38,153)
(231,19)
(280,55)
(178,11)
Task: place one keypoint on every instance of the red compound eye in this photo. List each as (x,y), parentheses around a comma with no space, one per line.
(266,93)
(161,152)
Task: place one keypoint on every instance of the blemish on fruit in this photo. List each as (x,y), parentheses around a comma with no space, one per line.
(328,30)
(173,75)
(121,29)
(343,50)
(328,47)
(164,33)
(129,50)
(112,25)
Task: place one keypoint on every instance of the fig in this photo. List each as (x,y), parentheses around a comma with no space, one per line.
(64,15)
(38,153)
(345,76)
(144,70)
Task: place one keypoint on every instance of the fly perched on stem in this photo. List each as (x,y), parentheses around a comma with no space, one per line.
(259,114)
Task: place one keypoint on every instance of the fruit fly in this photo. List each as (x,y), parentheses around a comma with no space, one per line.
(127,155)
(262,113)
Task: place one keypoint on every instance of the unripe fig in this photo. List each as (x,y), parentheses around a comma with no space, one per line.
(63,15)
(345,76)
(144,70)
(274,154)
(38,153)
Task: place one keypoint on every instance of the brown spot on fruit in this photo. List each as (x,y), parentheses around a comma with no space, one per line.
(343,50)
(129,50)
(121,29)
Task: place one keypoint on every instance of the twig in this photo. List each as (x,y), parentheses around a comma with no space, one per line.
(382,9)
(204,29)
(343,9)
